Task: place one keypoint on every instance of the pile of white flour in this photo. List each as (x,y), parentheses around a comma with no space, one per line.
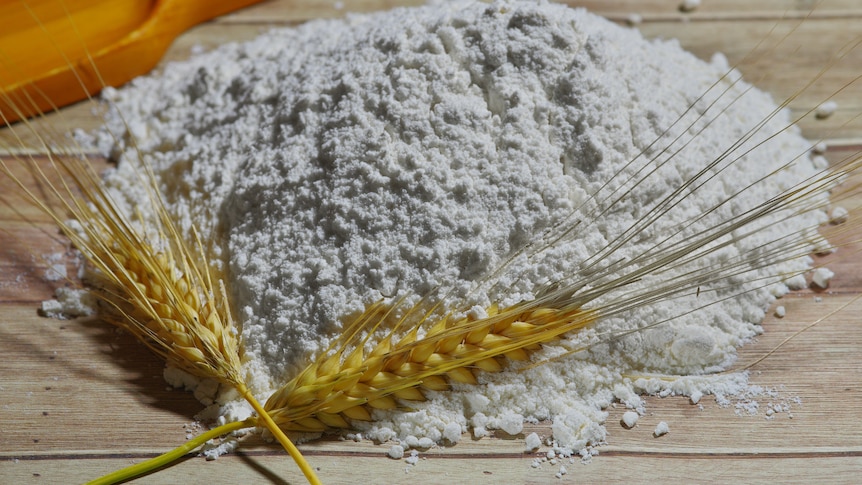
(345,161)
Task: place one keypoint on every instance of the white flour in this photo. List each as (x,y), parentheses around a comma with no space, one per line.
(344,161)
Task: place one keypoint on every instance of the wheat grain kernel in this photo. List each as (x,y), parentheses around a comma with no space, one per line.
(448,344)
(332,420)
(462,375)
(358,413)
(382,379)
(435,383)
(489,365)
(438,360)
(517,354)
(311,424)
(410,369)
(341,402)
(348,380)
(421,352)
(409,394)
(517,329)
(476,336)
(385,402)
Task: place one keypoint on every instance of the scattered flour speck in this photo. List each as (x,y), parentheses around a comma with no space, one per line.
(512,423)
(629,419)
(396,452)
(413,458)
(825,110)
(821,277)
(452,432)
(532,442)
(56,270)
(839,215)
(689,5)
(69,303)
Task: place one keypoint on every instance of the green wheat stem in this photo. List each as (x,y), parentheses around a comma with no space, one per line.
(165,459)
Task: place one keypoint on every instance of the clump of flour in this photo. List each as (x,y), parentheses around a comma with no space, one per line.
(345,161)
(69,303)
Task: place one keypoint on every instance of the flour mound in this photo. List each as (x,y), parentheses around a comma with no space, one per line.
(345,161)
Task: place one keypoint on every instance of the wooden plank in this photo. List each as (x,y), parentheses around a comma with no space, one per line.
(79,399)
(610,468)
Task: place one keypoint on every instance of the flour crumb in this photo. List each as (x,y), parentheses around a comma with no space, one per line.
(689,5)
(820,162)
(825,110)
(634,19)
(629,419)
(180,379)
(212,450)
(796,282)
(839,215)
(532,442)
(452,433)
(56,269)
(661,429)
(821,277)
(412,442)
(780,311)
(396,452)
(413,458)
(562,471)
(512,424)
(69,303)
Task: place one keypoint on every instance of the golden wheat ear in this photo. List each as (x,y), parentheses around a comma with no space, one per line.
(155,286)
(150,280)
(349,383)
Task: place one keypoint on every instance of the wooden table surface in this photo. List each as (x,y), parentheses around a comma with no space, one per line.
(79,399)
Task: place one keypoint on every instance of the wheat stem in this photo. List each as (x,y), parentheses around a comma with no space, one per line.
(282,438)
(161,291)
(165,459)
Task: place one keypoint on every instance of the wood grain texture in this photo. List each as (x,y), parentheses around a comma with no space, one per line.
(79,399)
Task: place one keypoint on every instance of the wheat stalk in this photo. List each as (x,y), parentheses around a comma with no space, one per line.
(159,290)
